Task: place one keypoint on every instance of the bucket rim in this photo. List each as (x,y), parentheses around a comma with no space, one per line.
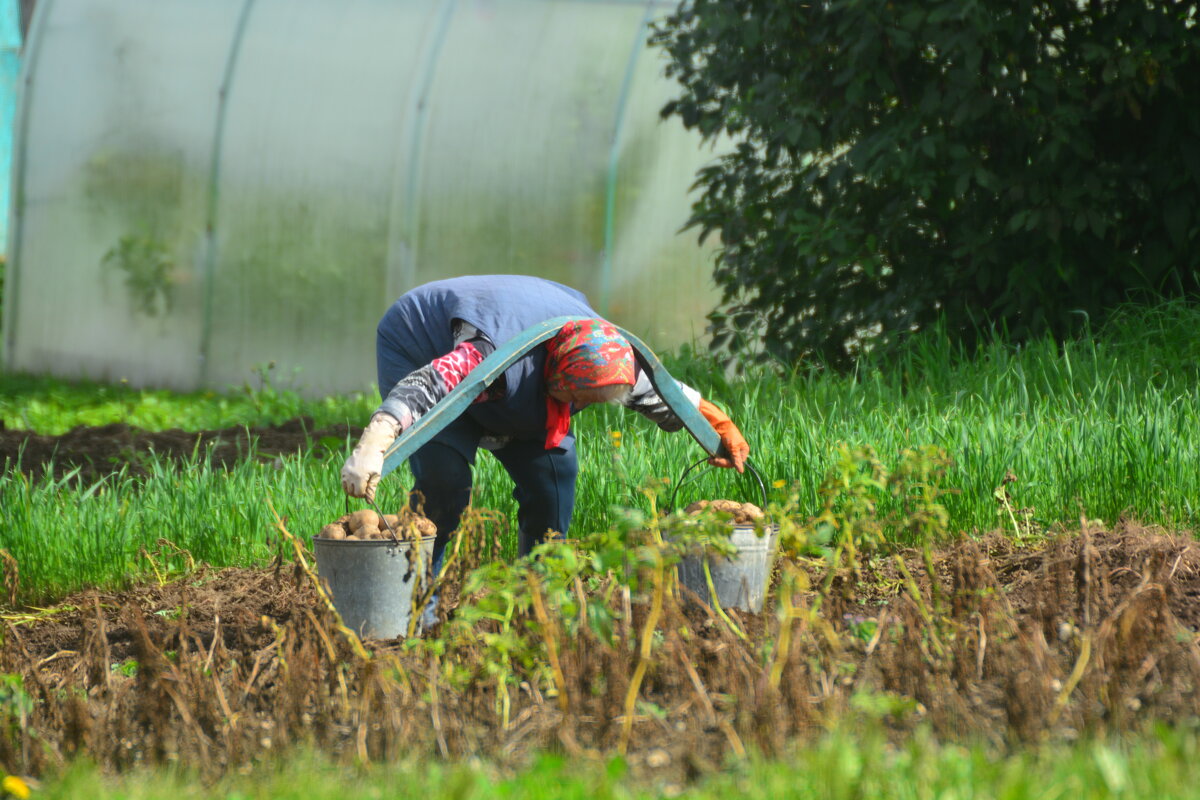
(369,542)
(768,542)
(770,529)
(743,526)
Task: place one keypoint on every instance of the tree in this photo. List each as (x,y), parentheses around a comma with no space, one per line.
(987,162)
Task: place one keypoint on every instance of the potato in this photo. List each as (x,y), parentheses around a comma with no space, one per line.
(752,511)
(332,531)
(342,520)
(742,513)
(425,527)
(370,531)
(350,537)
(360,518)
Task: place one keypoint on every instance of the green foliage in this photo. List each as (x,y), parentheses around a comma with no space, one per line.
(495,618)
(54,406)
(146,267)
(1107,426)
(127,668)
(839,765)
(66,535)
(867,507)
(514,614)
(881,705)
(15,704)
(899,161)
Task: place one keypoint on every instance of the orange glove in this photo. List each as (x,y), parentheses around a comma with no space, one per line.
(731,438)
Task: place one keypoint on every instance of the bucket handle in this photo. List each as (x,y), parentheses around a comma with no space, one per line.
(762,487)
(382,518)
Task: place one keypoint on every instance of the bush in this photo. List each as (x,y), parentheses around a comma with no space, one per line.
(998,163)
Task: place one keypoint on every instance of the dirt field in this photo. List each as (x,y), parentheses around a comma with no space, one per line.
(227,667)
(1094,631)
(105,449)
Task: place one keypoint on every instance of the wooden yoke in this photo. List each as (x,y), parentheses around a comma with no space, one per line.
(453,405)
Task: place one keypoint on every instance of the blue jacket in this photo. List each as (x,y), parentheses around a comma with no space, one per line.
(417,329)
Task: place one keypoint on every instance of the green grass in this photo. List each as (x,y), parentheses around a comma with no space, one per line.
(1104,426)
(838,766)
(54,406)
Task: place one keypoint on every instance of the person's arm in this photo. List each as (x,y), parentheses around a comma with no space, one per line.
(409,400)
(419,391)
(645,400)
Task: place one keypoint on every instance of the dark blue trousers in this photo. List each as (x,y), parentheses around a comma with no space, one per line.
(545,485)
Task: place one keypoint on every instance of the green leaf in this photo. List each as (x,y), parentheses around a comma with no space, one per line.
(1176,216)
(981,145)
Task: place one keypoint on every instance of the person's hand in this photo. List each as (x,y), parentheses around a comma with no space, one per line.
(364,467)
(731,438)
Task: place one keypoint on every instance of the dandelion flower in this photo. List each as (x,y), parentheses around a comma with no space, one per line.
(779,484)
(16,787)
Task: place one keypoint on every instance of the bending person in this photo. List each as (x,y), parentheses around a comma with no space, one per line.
(434,335)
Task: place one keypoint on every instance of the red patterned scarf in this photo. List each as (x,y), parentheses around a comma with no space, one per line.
(583,355)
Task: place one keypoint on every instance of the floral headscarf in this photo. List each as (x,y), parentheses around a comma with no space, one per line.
(585,354)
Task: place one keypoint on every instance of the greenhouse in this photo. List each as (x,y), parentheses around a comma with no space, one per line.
(204,189)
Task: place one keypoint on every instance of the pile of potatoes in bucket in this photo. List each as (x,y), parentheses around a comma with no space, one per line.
(743,513)
(366,524)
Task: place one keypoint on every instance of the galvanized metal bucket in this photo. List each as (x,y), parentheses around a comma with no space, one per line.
(740,581)
(371,582)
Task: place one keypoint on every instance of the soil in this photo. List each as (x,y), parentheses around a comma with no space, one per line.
(1091,632)
(1095,631)
(107,449)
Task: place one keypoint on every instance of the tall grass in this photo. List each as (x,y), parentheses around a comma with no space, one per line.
(840,765)
(1102,426)
(65,536)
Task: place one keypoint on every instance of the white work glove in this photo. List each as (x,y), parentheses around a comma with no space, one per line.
(362,470)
